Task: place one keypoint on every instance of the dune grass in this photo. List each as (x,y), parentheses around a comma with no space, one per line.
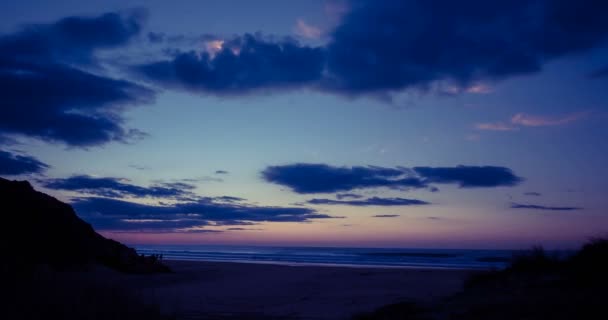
(536,285)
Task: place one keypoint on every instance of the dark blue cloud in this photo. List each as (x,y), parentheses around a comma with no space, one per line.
(243,64)
(394,45)
(539,207)
(387,46)
(118,188)
(8,141)
(243,229)
(600,73)
(386,216)
(15,164)
(229,199)
(113,214)
(379,47)
(221,172)
(156,37)
(47,94)
(469,176)
(374,201)
(72,39)
(534,194)
(321,178)
(341,196)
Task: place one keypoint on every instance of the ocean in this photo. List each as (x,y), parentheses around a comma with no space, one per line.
(324,256)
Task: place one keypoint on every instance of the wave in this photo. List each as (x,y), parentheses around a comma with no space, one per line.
(354,257)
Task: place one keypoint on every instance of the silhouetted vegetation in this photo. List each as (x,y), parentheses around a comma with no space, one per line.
(536,285)
(50,233)
(51,261)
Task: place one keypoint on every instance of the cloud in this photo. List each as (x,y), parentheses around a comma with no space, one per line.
(49,91)
(380,47)
(600,73)
(535,194)
(16,164)
(156,37)
(321,178)
(8,141)
(73,39)
(539,207)
(495,126)
(306,30)
(470,176)
(542,121)
(479,88)
(237,66)
(229,199)
(526,120)
(221,172)
(374,201)
(138,167)
(386,216)
(476,88)
(395,45)
(341,196)
(114,214)
(118,188)
(336,9)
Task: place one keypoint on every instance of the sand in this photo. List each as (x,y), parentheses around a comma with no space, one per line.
(209,290)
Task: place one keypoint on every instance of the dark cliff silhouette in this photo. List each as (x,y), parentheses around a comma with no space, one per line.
(41,230)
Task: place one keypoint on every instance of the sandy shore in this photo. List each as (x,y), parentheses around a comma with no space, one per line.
(207,290)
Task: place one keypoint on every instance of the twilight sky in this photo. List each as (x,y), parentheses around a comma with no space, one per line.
(468,124)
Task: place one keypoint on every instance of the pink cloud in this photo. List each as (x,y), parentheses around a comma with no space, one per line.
(527,120)
(306,30)
(495,126)
(479,88)
(336,9)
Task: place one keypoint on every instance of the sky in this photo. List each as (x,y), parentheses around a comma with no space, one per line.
(421,124)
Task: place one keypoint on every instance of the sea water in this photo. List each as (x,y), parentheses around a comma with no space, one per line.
(353,257)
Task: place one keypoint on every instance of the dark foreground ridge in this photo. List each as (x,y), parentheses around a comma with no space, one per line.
(536,285)
(41,230)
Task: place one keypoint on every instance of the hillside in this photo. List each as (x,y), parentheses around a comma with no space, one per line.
(39,229)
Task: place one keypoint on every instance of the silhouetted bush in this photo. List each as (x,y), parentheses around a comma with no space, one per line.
(536,285)
(593,255)
(534,261)
(539,286)
(589,266)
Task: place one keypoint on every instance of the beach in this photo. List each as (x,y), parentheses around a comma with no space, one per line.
(209,290)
